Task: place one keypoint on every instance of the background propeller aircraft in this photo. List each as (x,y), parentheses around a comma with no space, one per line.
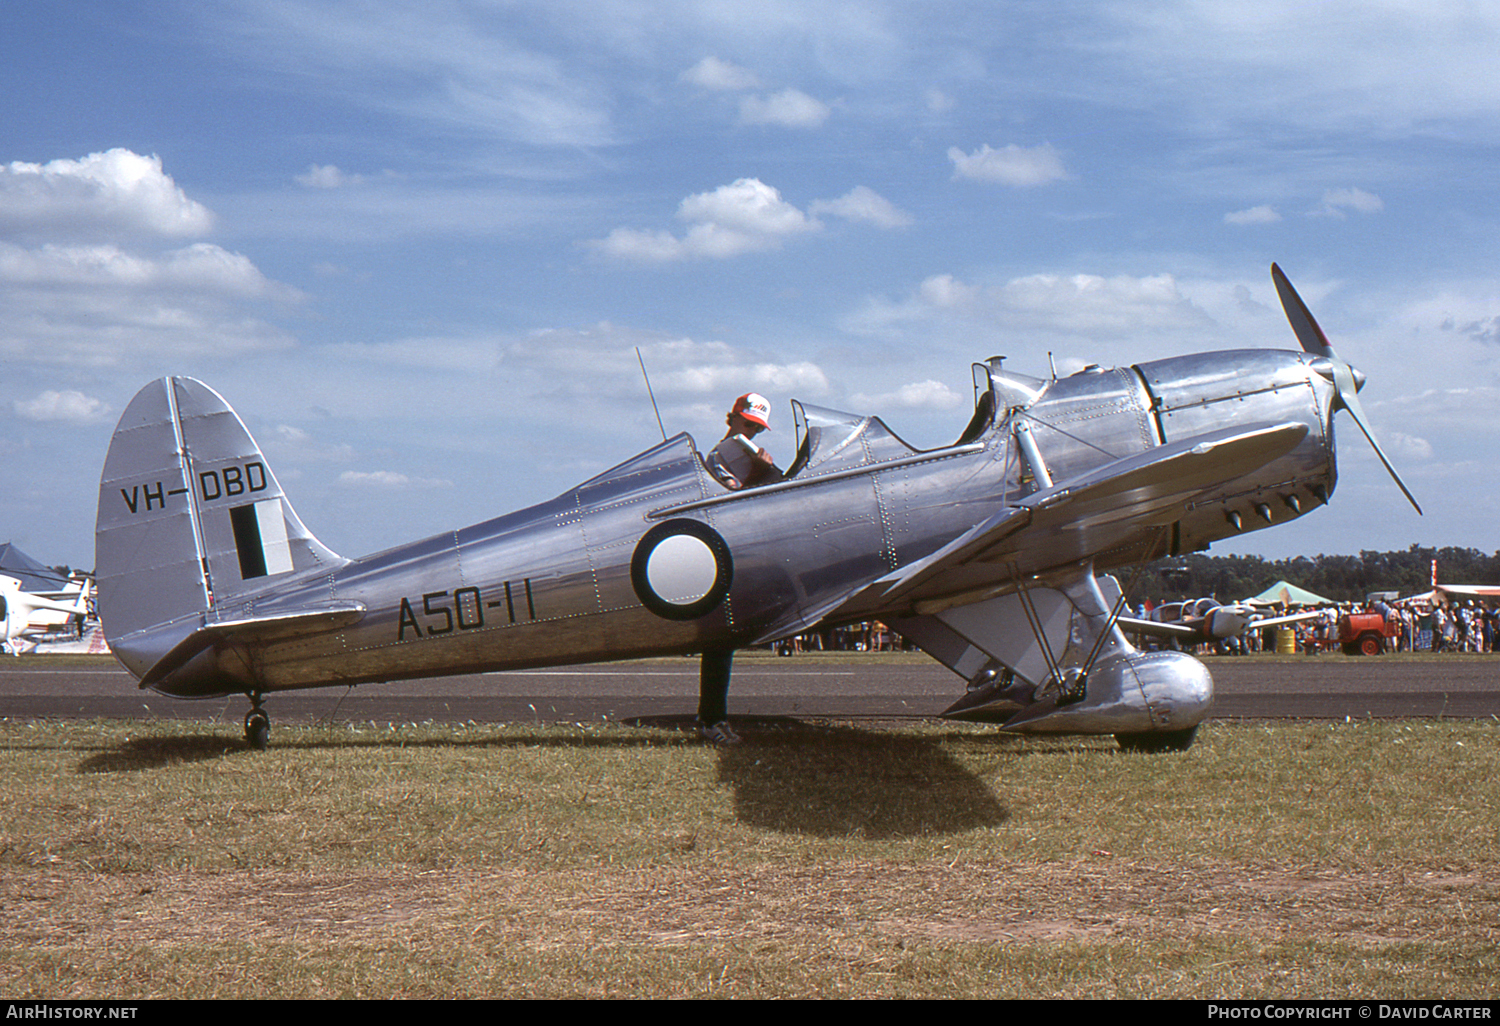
(986,552)
(1205,620)
(27,615)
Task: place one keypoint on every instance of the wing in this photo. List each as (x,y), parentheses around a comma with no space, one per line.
(1204,629)
(1470,590)
(1158,629)
(1276,621)
(1074,520)
(1099,509)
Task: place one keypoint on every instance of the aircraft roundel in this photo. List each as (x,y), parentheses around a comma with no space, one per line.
(681,569)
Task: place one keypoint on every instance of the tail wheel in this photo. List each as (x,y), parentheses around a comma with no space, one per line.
(257,728)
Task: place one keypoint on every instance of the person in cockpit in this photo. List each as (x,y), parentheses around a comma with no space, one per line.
(737,461)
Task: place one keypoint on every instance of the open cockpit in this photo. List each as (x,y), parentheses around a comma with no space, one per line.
(830,441)
(834,443)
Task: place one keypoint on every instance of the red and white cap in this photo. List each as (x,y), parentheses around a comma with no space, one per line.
(754,408)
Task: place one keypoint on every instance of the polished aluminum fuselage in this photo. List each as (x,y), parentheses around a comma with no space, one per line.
(562,582)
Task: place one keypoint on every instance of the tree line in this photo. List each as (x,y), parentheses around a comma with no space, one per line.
(1341,578)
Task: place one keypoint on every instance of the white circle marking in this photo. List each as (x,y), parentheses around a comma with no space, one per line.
(681,570)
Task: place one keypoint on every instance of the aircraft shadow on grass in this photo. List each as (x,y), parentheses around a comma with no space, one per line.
(835,781)
(791,777)
(150,753)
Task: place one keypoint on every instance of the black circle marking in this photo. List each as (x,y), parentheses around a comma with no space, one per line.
(681,569)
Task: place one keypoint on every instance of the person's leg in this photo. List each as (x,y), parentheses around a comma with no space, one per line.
(713,695)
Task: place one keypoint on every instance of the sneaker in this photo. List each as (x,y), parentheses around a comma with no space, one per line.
(720,733)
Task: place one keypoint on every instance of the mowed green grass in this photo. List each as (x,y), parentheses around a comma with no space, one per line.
(164,859)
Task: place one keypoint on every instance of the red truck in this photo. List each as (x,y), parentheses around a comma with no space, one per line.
(1365,633)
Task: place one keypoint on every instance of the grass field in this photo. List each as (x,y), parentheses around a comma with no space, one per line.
(164,859)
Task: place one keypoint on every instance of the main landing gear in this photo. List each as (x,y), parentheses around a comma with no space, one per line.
(257,724)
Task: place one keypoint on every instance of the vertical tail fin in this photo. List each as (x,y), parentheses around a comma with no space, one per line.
(190,515)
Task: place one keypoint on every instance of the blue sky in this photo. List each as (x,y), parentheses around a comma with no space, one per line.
(417,245)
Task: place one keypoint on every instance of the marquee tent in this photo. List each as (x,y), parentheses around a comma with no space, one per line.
(34,577)
(1283,594)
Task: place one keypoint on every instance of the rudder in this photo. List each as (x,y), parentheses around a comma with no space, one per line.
(190,517)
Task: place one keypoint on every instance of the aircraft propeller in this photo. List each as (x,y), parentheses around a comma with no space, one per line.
(1345,378)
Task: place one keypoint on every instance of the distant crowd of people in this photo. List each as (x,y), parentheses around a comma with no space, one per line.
(1460,627)
(1411,625)
(1418,626)
(870,636)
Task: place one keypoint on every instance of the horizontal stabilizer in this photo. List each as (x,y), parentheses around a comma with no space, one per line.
(280,626)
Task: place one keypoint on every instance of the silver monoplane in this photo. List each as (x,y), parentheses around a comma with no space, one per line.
(987,553)
(1207,621)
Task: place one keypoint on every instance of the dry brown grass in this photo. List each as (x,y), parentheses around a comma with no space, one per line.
(163,860)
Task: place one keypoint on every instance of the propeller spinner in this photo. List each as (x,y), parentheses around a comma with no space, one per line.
(1345,379)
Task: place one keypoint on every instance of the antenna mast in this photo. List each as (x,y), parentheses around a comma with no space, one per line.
(651,393)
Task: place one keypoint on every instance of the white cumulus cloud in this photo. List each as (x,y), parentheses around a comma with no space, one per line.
(938,102)
(790,108)
(1264,214)
(748,205)
(388,479)
(327,176)
(863,204)
(720,75)
(87,274)
(1093,308)
(108,193)
(680,368)
(201,268)
(70,407)
(1409,447)
(1020,166)
(1339,202)
(713,379)
(746,216)
(743,217)
(917,395)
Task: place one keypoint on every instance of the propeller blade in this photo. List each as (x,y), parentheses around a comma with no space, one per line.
(1315,343)
(1304,326)
(1357,412)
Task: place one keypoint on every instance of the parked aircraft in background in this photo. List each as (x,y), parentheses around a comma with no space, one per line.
(29,616)
(986,553)
(1489,594)
(1204,620)
(1486,593)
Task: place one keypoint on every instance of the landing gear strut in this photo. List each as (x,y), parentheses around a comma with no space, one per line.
(257,724)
